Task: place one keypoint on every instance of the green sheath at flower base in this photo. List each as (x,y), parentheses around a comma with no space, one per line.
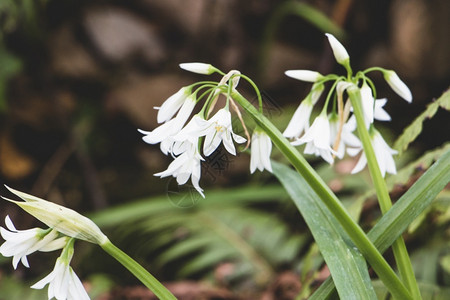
(60,218)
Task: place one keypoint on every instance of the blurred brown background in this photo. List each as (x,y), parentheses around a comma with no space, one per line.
(78,77)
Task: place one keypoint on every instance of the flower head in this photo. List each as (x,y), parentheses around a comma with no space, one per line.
(397,85)
(260,151)
(199,68)
(60,218)
(339,51)
(20,243)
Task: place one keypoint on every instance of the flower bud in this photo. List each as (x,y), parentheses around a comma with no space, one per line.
(60,218)
(339,51)
(199,68)
(304,75)
(397,85)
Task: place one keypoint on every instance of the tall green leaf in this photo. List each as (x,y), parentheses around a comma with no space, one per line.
(403,212)
(346,264)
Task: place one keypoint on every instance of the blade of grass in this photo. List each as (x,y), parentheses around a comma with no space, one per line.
(345,262)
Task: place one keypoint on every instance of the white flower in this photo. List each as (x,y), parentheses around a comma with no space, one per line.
(397,85)
(199,68)
(170,107)
(63,283)
(367,104)
(318,139)
(304,75)
(383,154)
(260,151)
(339,51)
(219,129)
(194,129)
(187,164)
(164,133)
(20,243)
(60,218)
(346,139)
(300,120)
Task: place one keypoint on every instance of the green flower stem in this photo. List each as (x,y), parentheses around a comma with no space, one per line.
(399,247)
(367,248)
(143,275)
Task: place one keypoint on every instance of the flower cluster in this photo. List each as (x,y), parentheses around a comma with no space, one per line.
(332,134)
(65,225)
(188,139)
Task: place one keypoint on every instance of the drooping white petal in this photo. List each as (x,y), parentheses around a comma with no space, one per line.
(362,161)
(339,51)
(165,133)
(397,85)
(383,155)
(170,107)
(379,113)
(367,104)
(304,75)
(300,119)
(76,288)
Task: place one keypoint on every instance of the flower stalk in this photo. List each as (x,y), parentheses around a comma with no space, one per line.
(138,271)
(367,248)
(398,247)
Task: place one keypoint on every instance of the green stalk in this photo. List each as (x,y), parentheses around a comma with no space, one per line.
(373,256)
(399,248)
(143,275)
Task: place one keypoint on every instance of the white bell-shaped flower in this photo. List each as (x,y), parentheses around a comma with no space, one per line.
(164,133)
(317,139)
(63,283)
(186,165)
(383,154)
(261,147)
(20,243)
(300,120)
(219,129)
(170,107)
